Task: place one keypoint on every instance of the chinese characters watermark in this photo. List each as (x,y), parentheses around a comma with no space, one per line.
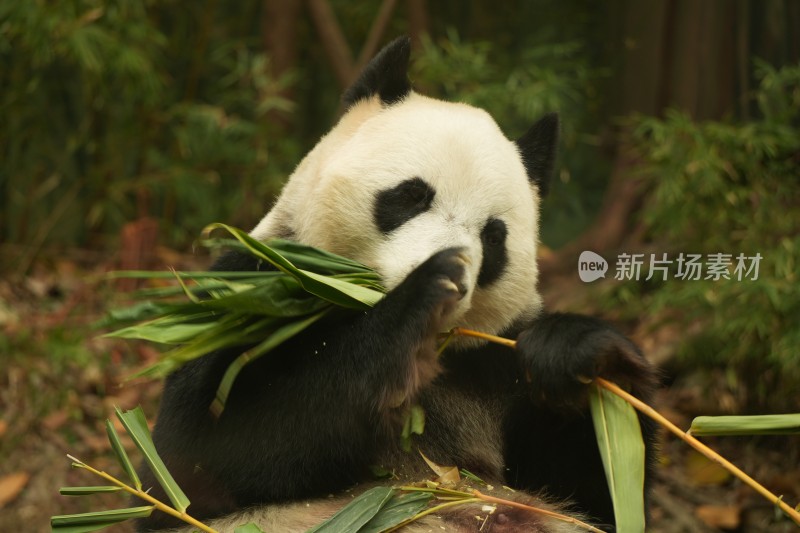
(662,267)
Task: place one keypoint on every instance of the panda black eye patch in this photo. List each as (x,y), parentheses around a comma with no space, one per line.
(396,206)
(493,240)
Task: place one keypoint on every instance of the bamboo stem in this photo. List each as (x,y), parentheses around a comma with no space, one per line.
(655,415)
(551,514)
(457,497)
(430,510)
(485,336)
(161,506)
(700,447)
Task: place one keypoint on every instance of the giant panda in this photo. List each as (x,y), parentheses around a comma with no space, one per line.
(434,197)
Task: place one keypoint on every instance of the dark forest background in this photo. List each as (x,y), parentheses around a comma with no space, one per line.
(128,126)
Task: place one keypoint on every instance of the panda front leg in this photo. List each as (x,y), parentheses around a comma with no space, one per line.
(551,442)
(331,413)
(393,348)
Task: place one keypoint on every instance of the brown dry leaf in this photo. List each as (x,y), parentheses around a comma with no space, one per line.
(3,427)
(447,474)
(11,485)
(703,471)
(719,516)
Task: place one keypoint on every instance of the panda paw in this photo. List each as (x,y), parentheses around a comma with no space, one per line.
(436,286)
(560,353)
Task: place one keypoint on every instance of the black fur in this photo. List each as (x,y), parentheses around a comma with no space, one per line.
(396,206)
(538,150)
(495,258)
(311,417)
(386,75)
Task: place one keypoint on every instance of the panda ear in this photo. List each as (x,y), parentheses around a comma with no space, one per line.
(386,75)
(538,150)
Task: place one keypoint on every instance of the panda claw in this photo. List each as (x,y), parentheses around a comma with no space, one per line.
(451,286)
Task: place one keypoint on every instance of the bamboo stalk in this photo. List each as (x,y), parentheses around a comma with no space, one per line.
(457,497)
(551,514)
(655,415)
(161,506)
(700,447)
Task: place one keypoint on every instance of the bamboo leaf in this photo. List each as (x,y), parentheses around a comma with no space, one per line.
(282,297)
(136,426)
(231,331)
(335,291)
(301,256)
(785,424)
(85,522)
(622,451)
(170,329)
(84,491)
(472,477)
(279,336)
(122,455)
(398,509)
(357,513)
(339,291)
(413,424)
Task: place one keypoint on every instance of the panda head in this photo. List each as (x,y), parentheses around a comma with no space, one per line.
(403,176)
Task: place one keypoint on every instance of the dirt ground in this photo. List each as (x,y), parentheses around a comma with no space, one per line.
(59,382)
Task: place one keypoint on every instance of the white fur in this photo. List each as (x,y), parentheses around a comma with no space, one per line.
(476,172)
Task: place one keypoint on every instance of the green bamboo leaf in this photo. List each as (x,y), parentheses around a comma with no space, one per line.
(398,509)
(302,256)
(277,337)
(413,424)
(122,455)
(248,528)
(335,291)
(357,513)
(619,438)
(230,331)
(135,313)
(310,258)
(282,297)
(170,329)
(85,522)
(136,426)
(189,294)
(472,477)
(785,424)
(339,291)
(84,491)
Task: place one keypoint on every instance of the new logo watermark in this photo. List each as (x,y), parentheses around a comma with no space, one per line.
(687,267)
(591,266)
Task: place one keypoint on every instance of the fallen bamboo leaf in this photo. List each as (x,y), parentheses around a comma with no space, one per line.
(85,522)
(398,509)
(357,513)
(446,474)
(85,491)
(719,516)
(11,486)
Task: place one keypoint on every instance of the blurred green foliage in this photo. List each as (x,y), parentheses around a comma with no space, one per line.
(117,110)
(114,110)
(730,187)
